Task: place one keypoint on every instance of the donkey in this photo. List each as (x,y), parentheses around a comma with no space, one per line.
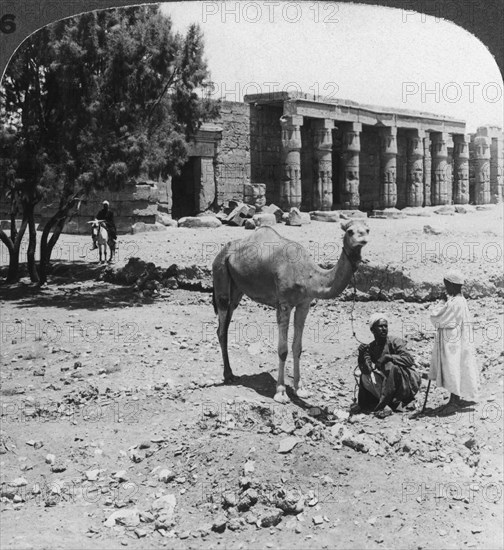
(100,232)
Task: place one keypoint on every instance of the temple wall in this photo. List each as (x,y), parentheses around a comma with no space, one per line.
(232,166)
(266,148)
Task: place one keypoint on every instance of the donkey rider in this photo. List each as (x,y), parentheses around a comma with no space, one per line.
(106,215)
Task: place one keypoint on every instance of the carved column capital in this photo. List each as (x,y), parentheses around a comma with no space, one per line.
(388,139)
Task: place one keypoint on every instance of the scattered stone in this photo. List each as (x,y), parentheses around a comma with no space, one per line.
(264,219)
(322,216)
(287,444)
(291,502)
(18,482)
(50,459)
(247,500)
(166,219)
(219,524)
(140,533)
(58,466)
(249,467)
(93,475)
(417,211)
(297,218)
(164,509)
(229,500)
(202,221)
(318,520)
(431,230)
(166,475)
(273,209)
(446,210)
(36,444)
(126,517)
(391,213)
(249,224)
(269,517)
(121,475)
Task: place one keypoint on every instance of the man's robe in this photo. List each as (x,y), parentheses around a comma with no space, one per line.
(396,381)
(453,362)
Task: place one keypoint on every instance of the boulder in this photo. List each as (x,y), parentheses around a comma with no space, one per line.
(464,208)
(142,227)
(249,224)
(322,216)
(416,211)
(264,219)
(446,210)
(298,218)
(387,213)
(432,230)
(166,219)
(238,215)
(203,221)
(273,209)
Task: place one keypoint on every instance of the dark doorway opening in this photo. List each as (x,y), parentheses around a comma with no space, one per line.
(183,191)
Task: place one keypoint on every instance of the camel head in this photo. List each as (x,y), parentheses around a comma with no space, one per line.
(356,236)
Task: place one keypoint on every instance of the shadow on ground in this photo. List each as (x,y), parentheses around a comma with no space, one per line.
(91,296)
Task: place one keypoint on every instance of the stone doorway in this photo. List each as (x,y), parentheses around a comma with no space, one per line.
(184,190)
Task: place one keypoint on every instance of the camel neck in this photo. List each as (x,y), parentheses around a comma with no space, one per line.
(332,282)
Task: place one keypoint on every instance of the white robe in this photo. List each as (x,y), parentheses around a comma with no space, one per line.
(453,362)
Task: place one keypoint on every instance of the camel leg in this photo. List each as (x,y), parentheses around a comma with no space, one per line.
(297,347)
(283,317)
(225,315)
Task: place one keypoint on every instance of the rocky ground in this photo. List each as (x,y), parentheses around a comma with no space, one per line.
(117,431)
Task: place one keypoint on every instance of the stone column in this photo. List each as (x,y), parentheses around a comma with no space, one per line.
(350,197)
(427,169)
(290,183)
(388,167)
(496,170)
(414,183)
(482,169)
(461,169)
(323,196)
(439,191)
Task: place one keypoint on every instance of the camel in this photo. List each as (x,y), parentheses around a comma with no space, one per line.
(99,230)
(280,273)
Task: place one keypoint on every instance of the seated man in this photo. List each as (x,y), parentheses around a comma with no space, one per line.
(106,214)
(388,376)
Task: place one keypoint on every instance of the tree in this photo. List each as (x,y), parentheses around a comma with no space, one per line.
(99,100)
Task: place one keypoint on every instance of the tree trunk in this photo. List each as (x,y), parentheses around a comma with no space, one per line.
(13,229)
(13,247)
(32,244)
(46,247)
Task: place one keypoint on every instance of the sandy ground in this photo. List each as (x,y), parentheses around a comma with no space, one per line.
(117,430)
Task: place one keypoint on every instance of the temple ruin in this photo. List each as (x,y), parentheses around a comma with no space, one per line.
(315,154)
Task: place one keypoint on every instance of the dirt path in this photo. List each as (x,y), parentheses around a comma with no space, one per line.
(125,393)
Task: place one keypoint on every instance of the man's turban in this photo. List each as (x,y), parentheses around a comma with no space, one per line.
(454,277)
(375,317)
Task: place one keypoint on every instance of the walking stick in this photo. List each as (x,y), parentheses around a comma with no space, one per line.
(426,396)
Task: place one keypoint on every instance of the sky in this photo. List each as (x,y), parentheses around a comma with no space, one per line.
(369,54)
